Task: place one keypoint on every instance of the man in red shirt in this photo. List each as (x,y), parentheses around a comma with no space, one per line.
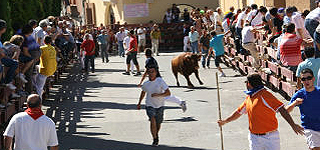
(132,54)
(88,46)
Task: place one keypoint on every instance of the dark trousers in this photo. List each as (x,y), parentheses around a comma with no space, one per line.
(86,62)
(311,26)
(12,65)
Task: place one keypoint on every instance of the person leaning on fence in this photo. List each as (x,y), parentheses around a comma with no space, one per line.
(261,107)
(307,99)
(47,66)
(310,62)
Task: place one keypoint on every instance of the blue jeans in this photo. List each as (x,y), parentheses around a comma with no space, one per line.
(311,26)
(204,60)
(120,48)
(104,52)
(12,65)
(194,47)
(239,35)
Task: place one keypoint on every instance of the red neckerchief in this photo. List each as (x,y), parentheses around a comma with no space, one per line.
(35,113)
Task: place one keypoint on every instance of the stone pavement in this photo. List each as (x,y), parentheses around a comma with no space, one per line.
(98,111)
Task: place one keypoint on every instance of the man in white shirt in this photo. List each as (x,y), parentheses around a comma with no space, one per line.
(142,38)
(218,18)
(31,129)
(257,19)
(119,37)
(40,31)
(239,25)
(252,13)
(301,31)
(248,42)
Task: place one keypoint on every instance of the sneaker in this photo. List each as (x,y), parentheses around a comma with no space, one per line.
(107,61)
(126,73)
(183,106)
(155,142)
(138,74)
(22,78)
(222,75)
(11,86)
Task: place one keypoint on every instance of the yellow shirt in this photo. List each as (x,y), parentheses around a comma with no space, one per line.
(155,34)
(48,62)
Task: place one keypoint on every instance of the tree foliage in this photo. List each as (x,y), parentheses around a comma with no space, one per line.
(19,12)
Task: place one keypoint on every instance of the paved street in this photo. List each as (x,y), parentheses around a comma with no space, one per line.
(98,111)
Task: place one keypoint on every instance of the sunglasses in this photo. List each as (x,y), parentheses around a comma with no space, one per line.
(307,78)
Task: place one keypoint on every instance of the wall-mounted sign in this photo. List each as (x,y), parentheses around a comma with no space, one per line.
(136,10)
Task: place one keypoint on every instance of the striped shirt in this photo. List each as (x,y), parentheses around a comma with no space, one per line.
(290,53)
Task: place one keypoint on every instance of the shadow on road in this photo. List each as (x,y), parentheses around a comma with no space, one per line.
(66,108)
(77,142)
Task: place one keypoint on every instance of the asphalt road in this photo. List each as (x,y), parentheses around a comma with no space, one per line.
(98,111)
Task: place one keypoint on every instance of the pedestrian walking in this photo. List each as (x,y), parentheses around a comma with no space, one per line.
(155,89)
(103,40)
(307,99)
(261,107)
(132,54)
(126,42)
(31,129)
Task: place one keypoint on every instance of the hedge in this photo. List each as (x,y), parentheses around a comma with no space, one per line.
(19,12)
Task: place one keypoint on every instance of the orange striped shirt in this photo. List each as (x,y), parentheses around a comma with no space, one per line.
(261,108)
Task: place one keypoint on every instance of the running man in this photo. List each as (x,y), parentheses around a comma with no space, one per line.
(261,107)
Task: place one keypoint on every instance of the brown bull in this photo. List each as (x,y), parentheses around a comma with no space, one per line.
(186,64)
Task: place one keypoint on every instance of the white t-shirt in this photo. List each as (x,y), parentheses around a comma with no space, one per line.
(121,35)
(257,20)
(247,35)
(156,86)
(143,35)
(126,41)
(242,16)
(298,21)
(314,14)
(32,134)
(251,14)
(225,26)
(39,33)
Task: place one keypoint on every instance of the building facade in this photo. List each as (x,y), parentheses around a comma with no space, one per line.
(105,12)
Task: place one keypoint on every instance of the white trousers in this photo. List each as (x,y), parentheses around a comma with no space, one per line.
(173,99)
(155,46)
(186,47)
(40,81)
(270,141)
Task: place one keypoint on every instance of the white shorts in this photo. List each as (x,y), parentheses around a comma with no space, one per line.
(270,141)
(312,137)
(142,42)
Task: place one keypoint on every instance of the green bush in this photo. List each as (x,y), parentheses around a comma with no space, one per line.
(19,12)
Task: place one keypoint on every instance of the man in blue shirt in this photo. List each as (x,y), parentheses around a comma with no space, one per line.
(311,62)
(307,99)
(103,41)
(216,44)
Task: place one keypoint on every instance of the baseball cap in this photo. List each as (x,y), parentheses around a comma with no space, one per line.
(281,10)
(3,24)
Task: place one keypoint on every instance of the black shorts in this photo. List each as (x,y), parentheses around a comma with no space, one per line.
(218,60)
(132,56)
(157,113)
